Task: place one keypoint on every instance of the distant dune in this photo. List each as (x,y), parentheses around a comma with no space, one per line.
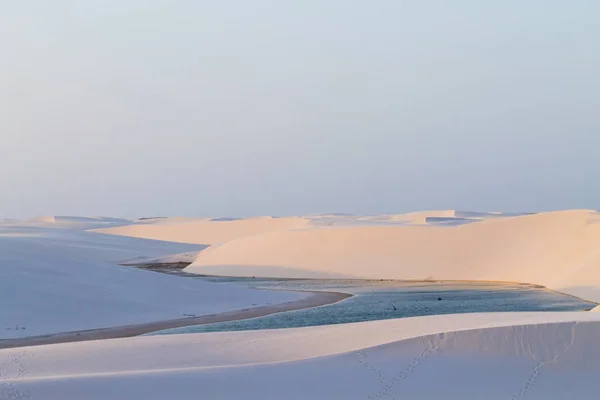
(206,231)
(68,222)
(558,249)
(555,249)
(223,229)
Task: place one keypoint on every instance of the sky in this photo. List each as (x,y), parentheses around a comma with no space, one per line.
(236,108)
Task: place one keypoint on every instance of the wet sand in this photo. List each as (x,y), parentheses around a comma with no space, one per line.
(316,299)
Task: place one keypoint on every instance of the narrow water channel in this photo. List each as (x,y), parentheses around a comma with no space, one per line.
(378,300)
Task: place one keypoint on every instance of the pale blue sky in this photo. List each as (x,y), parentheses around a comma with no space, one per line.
(190,107)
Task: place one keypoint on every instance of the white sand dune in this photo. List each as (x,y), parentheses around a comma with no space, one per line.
(206,231)
(168,220)
(56,280)
(438,216)
(420,217)
(435,217)
(223,229)
(554,249)
(469,356)
(558,249)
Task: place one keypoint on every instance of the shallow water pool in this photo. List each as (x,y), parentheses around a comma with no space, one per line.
(378,300)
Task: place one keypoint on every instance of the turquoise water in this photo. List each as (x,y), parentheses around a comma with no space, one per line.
(377,300)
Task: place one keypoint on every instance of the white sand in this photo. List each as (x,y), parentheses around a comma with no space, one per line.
(558,250)
(469,356)
(205,231)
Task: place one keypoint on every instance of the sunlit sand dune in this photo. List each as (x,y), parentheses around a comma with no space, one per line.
(557,249)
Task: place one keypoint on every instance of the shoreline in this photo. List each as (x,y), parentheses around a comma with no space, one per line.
(317,299)
(177,268)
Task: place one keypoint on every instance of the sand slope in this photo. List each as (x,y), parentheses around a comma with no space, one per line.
(56,280)
(560,250)
(476,356)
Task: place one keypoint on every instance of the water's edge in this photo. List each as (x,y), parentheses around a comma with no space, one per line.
(317,299)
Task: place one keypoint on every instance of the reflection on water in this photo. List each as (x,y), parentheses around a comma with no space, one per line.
(376,300)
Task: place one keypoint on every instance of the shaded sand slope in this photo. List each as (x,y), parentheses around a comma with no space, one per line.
(206,231)
(57,280)
(474,356)
(560,250)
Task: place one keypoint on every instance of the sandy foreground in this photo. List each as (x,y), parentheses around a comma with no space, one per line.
(316,299)
(465,356)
